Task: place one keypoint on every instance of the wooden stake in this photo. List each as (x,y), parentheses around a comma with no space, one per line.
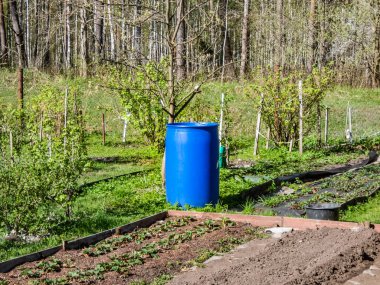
(104,129)
(221,119)
(41,125)
(65,117)
(268,139)
(257,133)
(20,89)
(11,146)
(350,123)
(300,144)
(291,145)
(319,126)
(64,245)
(49,146)
(124,131)
(326,125)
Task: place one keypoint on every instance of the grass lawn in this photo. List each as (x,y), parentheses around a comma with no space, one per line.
(369,211)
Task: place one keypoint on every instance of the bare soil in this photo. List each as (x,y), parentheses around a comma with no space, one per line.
(168,260)
(324,256)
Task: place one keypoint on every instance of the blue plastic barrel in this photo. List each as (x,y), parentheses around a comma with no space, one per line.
(192,170)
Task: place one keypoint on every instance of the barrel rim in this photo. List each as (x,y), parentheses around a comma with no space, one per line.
(192,125)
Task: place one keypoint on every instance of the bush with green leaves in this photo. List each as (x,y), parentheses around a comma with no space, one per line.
(280,108)
(140,90)
(42,155)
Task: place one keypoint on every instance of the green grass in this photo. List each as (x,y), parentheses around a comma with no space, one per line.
(120,201)
(109,204)
(100,207)
(365,105)
(369,211)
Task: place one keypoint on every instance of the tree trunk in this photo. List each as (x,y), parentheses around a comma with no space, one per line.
(3,37)
(278,41)
(181,36)
(311,36)
(244,40)
(83,42)
(17,30)
(376,65)
(68,34)
(137,34)
(112,37)
(226,60)
(98,29)
(27,32)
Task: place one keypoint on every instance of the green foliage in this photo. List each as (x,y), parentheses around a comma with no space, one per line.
(280,107)
(41,160)
(140,91)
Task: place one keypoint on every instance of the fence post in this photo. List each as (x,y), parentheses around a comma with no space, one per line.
(221,120)
(291,145)
(350,123)
(65,118)
(326,125)
(319,126)
(11,146)
(300,144)
(257,133)
(103,129)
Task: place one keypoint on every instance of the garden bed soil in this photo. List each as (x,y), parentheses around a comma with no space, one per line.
(110,261)
(345,189)
(177,244)
(324,256)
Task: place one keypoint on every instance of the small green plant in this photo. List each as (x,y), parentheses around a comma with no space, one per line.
(53,265)
(248,207)
(32,273)
(204,255)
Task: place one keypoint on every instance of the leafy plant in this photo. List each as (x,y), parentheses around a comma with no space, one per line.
(53,265)
(42,155)
(280,106)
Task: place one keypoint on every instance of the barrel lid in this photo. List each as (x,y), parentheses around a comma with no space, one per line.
(192,125)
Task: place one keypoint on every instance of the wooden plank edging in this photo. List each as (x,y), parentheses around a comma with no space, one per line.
(260,221)
(276,221)
(8,265)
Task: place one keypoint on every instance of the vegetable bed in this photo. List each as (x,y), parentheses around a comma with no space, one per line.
(144,256)
(344,189)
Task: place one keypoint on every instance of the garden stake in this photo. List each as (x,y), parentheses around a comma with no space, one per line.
(221,120)
(103,129)
(326,125)
(268,139)
(257,133)
(301,115)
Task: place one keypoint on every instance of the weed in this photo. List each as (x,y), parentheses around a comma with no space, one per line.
(248,207)
(204,255)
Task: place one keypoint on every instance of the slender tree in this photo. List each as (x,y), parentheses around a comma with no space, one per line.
(3,36)
(244,39)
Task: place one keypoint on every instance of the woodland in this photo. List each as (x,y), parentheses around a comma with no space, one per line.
(220,39)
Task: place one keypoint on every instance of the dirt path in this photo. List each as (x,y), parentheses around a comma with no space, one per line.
(325,256)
